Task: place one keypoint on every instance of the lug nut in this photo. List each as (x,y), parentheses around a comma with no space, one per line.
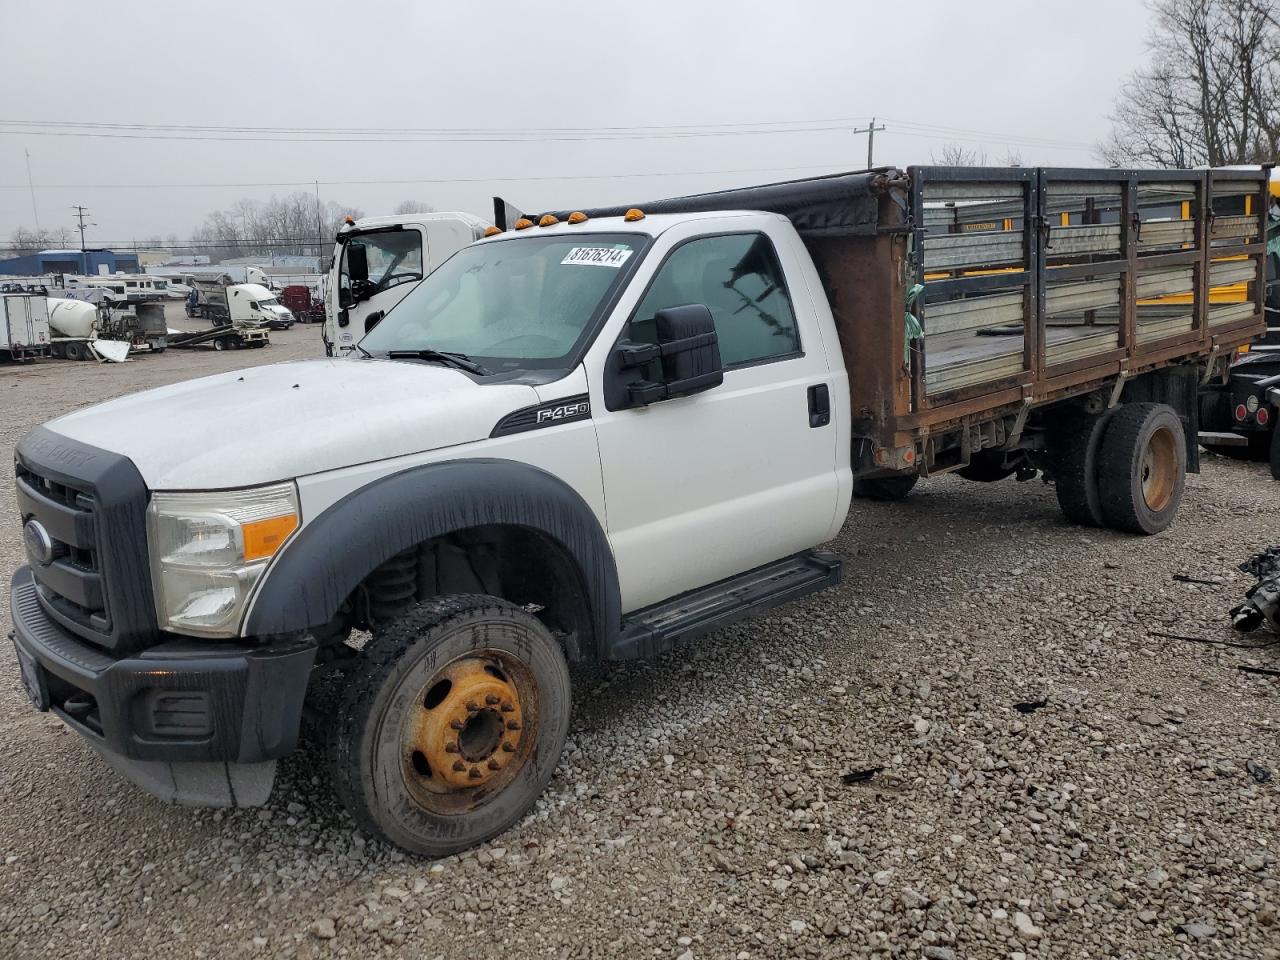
(513,725)
(506,706)
(450,748)
(472,706)
(455,724)
(475,773)
(509,747)
(459,766)
(493,764)
(490,699)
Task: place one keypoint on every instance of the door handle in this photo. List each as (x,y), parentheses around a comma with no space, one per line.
(819,405)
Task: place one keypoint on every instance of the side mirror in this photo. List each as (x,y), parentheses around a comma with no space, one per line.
(687,349)
(357,263)
(373,319)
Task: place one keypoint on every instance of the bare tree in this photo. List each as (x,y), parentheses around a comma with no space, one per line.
(1210,93)
(958,155)
(294,224)
(413,206)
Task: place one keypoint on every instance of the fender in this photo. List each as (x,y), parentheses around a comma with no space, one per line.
(318,568)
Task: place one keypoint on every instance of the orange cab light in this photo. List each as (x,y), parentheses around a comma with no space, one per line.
(523,223)
(632,215)
(492,231)
(547,220)
(577,217)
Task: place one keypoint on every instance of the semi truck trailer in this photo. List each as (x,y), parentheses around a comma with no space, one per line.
(589,436)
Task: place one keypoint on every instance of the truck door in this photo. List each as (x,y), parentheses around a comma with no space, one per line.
(702,487)
(395,258)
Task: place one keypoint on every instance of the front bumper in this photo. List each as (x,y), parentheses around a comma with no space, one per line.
(193,722)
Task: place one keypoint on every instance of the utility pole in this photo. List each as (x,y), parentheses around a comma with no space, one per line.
(319,228)
(81,213)
(30,186)
(870,131)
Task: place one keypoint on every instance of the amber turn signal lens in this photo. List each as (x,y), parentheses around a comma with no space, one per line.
(262,538)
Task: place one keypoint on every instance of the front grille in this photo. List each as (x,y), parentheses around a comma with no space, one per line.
(71,586)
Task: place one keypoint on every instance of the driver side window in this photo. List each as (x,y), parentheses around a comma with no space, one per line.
(738,278)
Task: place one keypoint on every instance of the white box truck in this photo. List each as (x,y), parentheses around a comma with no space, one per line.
(24,326)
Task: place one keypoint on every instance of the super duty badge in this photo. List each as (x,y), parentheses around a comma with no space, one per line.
(550,414)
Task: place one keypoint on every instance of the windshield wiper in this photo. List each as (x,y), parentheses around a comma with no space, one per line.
(459,360)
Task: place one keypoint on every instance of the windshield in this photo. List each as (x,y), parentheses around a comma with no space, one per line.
(524,302)
(269,302)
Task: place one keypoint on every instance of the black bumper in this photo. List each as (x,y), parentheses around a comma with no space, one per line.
(182,701)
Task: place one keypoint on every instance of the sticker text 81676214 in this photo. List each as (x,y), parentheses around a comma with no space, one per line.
(597,256)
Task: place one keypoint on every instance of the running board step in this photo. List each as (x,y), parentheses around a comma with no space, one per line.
(654,629)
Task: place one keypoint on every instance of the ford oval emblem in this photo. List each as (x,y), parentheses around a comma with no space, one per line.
(39,543)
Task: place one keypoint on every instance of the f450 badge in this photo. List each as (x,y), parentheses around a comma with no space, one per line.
(564,411)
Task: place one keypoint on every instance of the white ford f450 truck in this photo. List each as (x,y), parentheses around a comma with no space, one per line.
(588,436)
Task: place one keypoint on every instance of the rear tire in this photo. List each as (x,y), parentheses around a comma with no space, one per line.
(1073,445)
(221,343)
(1143,468)
(884,488)
(426,752)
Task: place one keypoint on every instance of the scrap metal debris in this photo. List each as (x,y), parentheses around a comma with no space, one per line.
(1185,578)
(1262,600)
(1030,706)
(1257,771)
(859,776)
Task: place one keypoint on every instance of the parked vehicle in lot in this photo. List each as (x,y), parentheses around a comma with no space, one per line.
(24,326)
(86,316)
(585,438)
(305,307)
(227,303)
(376,262)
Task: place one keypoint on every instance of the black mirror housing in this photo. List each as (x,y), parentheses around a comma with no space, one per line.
(357,263)
(688,349)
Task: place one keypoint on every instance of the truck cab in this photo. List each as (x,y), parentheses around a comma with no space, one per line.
(393,254)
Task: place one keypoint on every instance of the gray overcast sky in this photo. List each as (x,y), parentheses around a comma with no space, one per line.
(1043,71)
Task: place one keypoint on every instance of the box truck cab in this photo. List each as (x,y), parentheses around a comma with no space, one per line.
(377,260)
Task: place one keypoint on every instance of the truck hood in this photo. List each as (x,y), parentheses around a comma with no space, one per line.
(289,420)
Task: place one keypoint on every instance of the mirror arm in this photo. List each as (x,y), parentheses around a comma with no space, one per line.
(646,391)
(638,354)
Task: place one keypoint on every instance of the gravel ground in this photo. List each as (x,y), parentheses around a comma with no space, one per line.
(701,809)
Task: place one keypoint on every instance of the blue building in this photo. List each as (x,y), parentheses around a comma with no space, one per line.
(89,262)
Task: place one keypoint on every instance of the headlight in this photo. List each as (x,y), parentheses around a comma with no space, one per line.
(209,549)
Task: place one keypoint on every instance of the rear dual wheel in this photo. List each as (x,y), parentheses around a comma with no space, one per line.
(1126,469)
(451,724)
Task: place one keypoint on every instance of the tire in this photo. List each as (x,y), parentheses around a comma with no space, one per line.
(221,343)
(400,768)
(1275,454)
(1074,443)
(884,488)
(1142,468)
(987,466)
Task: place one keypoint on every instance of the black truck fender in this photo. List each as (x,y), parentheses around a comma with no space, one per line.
(324,562)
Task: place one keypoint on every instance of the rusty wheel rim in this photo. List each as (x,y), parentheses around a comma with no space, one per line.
(1159,469)
(469,732)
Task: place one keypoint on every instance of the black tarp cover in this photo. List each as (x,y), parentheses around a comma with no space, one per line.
(841,204)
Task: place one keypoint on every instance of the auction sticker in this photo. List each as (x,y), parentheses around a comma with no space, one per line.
(597,256)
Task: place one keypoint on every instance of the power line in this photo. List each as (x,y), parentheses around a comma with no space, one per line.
(416,180)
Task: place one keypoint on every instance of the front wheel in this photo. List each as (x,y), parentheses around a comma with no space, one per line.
(452,724)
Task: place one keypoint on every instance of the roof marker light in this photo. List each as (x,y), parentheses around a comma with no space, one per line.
(577,217)
(548,220)
(524,223)
(492,231)
(348,220)
(632,215)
